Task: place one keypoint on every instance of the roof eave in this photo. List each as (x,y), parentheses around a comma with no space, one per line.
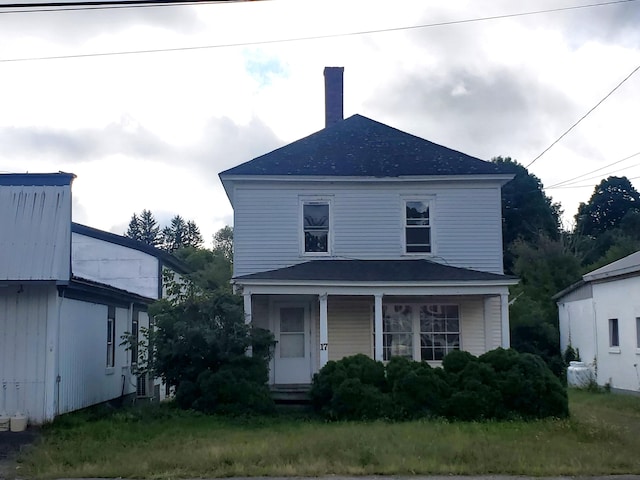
(500,177)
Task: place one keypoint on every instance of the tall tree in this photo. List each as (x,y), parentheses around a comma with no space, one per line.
(144,228)
(223,242)
(612,200)
(180,234)
(173,236)
(134,228)
(149,229)
(527,212)
(192,237)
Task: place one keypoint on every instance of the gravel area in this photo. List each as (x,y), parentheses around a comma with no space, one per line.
(11,444)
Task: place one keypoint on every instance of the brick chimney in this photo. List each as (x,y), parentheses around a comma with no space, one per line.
(333,95)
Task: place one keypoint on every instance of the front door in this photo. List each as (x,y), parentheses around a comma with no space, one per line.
(292,362)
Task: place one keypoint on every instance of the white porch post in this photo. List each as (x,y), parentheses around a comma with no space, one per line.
(246,297)
(504,320)
(377,327)
(324,331)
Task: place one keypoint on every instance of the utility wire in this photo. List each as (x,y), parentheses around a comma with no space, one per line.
(595,177)
(102,5)
(572,180)
(316,37)
(584,116)
(87,4)
(586,186)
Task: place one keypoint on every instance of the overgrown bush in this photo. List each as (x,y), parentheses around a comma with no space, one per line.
(501,384)
(199,346)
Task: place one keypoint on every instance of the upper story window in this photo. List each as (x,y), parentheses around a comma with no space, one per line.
(417,226)
(316,226)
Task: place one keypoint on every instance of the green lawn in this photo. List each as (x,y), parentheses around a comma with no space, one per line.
(601,437)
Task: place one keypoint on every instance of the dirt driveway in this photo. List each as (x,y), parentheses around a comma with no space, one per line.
(11,444)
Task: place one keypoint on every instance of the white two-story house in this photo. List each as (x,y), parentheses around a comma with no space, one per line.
(361,238)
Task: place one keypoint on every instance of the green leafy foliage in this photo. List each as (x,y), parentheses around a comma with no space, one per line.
(501,384)
(612,199)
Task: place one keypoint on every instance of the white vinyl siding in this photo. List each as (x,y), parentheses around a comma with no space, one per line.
(349,325)
(367,223)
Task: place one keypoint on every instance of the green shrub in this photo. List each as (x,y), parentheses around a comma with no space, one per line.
(417,389)
(527,386)
(354,400)
(500,384)
(327,381)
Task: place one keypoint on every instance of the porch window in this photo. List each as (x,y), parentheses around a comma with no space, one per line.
(424,332)
(439,331)
(111,336)
(315,221)
(397,326)
(417,226)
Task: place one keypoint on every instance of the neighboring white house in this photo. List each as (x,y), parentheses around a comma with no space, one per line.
(600,316)
(361,238)
(67,294)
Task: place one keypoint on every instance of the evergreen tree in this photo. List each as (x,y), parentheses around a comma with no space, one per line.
(134,228)
(173,236)
(149,229)
(193,237)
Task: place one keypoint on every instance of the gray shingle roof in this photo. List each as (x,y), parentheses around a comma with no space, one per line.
(417,270)
(359,146)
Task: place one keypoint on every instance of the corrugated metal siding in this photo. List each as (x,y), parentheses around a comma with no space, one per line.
(349,326)
(35,238)
(367,223)
(85,378)
(23,333)
(121,267)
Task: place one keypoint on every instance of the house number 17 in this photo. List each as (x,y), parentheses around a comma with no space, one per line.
(324,346)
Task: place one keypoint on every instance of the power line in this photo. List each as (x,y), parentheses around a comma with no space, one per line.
(316,37)
(586,186)
(102,5)
(584,116)
(572,180)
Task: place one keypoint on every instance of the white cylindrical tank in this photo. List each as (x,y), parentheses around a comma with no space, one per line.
(18,423)
(579,375)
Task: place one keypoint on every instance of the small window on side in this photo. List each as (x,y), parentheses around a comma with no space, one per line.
(614,336)
(111,336)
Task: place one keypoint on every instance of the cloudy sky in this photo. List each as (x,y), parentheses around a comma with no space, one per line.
(147,105)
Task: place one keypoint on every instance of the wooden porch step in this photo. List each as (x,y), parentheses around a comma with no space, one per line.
(290,393)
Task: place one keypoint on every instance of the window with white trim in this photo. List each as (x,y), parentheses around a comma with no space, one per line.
(417,226)
(111,336)
(424,332)
(614,335)
(316,231)
(637,332)
(439,331)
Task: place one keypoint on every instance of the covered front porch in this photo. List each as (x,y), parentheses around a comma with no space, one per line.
(316,320)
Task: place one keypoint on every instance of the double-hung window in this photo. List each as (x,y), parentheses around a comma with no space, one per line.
(111,336)
(417,226)
(316,227)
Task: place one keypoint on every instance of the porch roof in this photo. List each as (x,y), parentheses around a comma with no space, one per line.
(376,271)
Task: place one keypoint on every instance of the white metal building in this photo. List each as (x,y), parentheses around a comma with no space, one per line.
(67,295)
(600,316)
